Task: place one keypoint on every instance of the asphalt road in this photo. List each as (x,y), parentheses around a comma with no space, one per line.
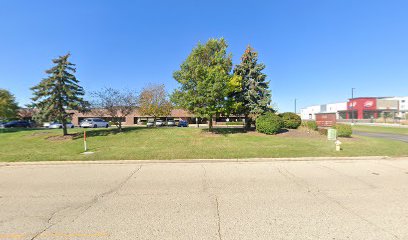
(391,136)
(337,199)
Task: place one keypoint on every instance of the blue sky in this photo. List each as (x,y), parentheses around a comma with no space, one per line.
(314,51)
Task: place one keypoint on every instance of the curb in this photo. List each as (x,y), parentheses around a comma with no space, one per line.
(232,160)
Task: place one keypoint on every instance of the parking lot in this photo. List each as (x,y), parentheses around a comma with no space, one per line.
(327,199)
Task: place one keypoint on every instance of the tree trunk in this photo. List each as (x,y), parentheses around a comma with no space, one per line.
(120,125)
(247,123)
(64,126)
(210,123)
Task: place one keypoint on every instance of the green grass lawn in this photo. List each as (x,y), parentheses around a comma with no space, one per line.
(380,129)
(180,143)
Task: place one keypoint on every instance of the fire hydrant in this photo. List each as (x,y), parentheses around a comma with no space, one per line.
(338,145)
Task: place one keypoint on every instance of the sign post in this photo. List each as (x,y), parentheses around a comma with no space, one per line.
(85,141)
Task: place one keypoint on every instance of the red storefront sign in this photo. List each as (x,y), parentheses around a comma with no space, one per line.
(360,105)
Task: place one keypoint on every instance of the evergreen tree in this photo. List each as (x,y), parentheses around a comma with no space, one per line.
(254,94)
(59,92)
(8,105)
(204,77)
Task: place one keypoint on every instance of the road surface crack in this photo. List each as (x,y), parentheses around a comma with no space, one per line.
(87,205)
(218,218)
(304,184)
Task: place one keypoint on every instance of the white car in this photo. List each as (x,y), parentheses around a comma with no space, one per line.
(59,125)
(171,123)
(150,124)
(160,123)
(94,123)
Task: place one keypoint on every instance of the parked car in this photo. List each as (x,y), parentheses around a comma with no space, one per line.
(17,123)
(150,124)
(94,123)
(160,123)
(59,125)
(171,123)
(182,123)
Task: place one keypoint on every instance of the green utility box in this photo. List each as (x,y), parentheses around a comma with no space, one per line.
(331,134)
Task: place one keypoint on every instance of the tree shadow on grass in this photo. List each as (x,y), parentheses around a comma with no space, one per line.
(91,132)
(14,130)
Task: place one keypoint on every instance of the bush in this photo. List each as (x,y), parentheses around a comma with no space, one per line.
(269,123)
(291,120)
(343,130)
(311,125)
(323,131)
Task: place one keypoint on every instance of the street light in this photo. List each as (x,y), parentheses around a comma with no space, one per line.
(295,105)
(352,105)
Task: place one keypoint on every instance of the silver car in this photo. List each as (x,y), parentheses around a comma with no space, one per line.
(150,124)
(171,123)
(160,123)
(93,123)
(59,125)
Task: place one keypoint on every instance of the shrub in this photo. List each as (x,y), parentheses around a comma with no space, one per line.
(291,120)
(323,131)
(234,123)
(343,130)
(311,125)
(269,123)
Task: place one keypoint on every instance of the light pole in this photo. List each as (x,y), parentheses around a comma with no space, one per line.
(352,105)
(295,105)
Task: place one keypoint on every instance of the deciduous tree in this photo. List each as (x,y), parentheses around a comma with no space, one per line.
(154,101)
(114,103)
(204,79)
(8,105)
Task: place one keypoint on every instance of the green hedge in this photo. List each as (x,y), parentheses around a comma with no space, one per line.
(234,123)
(343,130)
(269,123)
(291,120)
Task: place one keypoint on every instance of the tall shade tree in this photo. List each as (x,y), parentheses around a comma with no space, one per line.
(204,79)
(8,105)
(154,101)
(59,92)
(114,103)
(254,95)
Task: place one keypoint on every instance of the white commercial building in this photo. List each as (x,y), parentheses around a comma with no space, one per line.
(402,106)
(309,113)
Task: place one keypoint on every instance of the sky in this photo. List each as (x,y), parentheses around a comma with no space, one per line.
(314,50)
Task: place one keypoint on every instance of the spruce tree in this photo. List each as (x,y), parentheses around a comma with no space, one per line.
(59,92)
(254,93)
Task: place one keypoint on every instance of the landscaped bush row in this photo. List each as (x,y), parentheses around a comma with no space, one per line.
(234,123)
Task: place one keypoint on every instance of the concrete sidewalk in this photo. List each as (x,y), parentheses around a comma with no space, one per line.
(320,199)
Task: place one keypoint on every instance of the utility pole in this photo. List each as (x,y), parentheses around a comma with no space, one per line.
(352,105)
(295,105)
